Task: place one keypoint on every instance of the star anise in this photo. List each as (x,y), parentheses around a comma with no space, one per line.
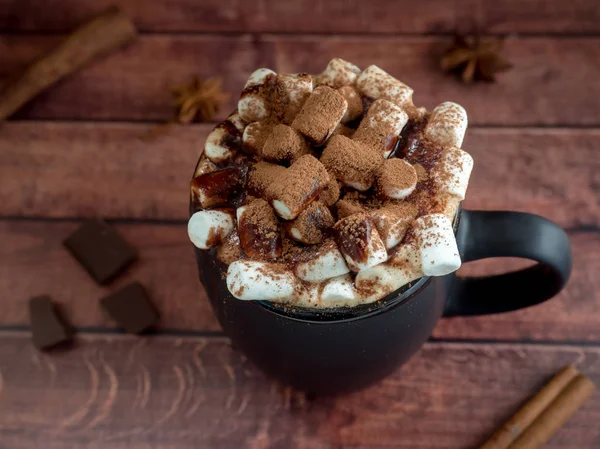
(199,100)
(474,58)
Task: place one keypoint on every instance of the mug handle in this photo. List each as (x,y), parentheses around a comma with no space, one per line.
(484,234)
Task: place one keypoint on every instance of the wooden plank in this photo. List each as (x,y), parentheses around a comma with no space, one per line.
(120,392)
(52,169)
(134,84)
(32,262)
(314,16)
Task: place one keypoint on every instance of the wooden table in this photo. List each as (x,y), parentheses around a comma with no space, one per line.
(78,151)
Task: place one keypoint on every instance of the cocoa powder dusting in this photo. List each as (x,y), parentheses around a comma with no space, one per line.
(320,115)
(302,182)
(311,224)
(331,193)
(395,174)
(352,162)
(422,175)
(261,175)
(284,144)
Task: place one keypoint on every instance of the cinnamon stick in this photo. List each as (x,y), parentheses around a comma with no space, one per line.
(106,32)
(556,414)
(511,429)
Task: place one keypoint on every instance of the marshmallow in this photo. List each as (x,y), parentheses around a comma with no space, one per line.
(301,184)
(255,135)
(261,176)
(284,144)
(229,250)
(309,225)
(331,193)
(323,262)
(254,103)
(353,163)
(393,221)
(437,245)
(205,165)
(397,179)
(237,121)
(355,104)
(447,125)
(258,230)
(338,73)
(375,83)
(291,93)
(452,171)
(223,142)
(252,280)
(219,187)
(208,228)
(320,115)
(339,289)
(345,208)
(381,126)
(385,277)
(359,242)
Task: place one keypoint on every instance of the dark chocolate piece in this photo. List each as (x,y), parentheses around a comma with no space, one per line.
(131,308)
(48,326)
(101,251)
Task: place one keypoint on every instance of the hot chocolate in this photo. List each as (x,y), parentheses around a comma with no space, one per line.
(330,190)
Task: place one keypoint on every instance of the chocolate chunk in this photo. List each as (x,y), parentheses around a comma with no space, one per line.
(131,308)
(101,251)
(48,326)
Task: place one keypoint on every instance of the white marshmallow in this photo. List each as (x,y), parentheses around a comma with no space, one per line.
(208,228)
(252,280)
(437,245)
(327,263)
(338,73)
(239,212)
(283,210)
(386,277)
(221,144)
(452,172)
(447,125)
(388,119)
(255,135)
(254,103)
(391,226)
(339,289)
(376,83)
(296,88)
(237,121)
(366,254)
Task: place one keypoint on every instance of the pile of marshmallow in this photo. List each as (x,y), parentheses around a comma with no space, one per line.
(367,256)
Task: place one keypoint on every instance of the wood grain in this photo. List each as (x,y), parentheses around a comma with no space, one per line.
(314,16)
(120,392)
(32,262)
(75,169)
(134,84)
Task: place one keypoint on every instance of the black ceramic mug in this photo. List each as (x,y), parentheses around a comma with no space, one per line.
(340,350)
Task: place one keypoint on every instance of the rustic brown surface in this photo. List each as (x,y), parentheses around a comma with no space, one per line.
(534,136)
(168,392)
(314,16)
(539,90)
(54,169)
(32,262)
